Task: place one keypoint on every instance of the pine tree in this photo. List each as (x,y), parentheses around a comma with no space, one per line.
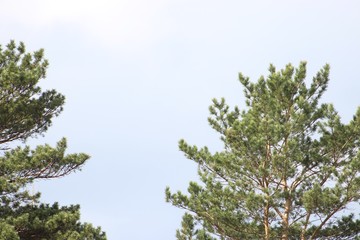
(26,111)
(288,168)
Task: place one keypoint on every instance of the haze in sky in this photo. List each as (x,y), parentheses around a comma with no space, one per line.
(139,75)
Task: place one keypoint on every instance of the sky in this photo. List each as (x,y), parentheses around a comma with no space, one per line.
(139,75)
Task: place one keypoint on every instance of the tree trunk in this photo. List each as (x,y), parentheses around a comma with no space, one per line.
(266,222)
(303,231)
(285,232)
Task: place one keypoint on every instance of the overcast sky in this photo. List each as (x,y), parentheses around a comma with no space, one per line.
(138,75)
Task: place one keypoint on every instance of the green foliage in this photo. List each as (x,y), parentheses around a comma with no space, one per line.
(24,109)
(50,222)
(288,165)
(27,111)
(345,228)
(189,231)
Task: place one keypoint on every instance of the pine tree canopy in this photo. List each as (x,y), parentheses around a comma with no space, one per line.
(289,168)
(26,111)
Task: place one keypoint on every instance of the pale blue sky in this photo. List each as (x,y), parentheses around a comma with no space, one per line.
(140,74)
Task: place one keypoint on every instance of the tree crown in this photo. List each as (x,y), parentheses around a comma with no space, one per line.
(288,165)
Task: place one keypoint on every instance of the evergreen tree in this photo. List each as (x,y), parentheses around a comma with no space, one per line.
(27,111)
(288,168)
